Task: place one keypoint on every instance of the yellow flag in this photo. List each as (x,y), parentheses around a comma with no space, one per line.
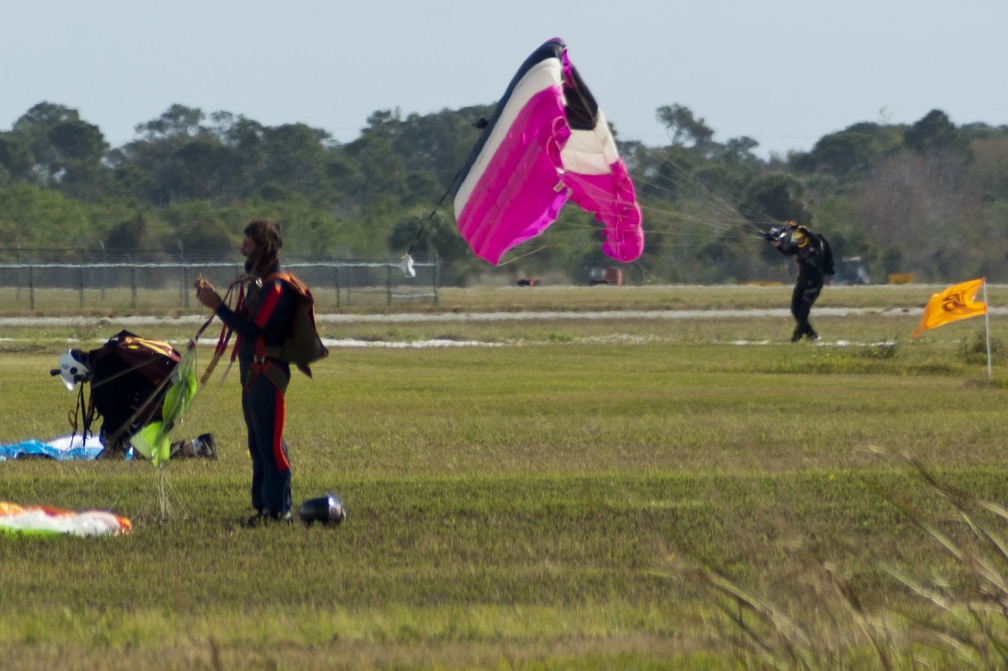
(955,303)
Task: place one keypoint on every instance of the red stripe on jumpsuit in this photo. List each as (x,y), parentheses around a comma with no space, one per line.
(269,302)
(279,415)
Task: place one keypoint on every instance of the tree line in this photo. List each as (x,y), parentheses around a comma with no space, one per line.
(929,198)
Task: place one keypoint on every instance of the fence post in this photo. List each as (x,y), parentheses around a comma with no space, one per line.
(437,277)
(31,288)
(104,270)
(336,273)
(80,278)
(185,286)
(183,289)
(388,282)
(133,285)
(17,293)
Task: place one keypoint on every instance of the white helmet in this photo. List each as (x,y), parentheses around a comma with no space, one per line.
(73,368)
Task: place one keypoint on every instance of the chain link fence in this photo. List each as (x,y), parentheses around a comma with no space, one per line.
(336,285)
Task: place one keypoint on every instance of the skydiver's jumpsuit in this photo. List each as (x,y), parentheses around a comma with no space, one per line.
(266,311)
(808,255)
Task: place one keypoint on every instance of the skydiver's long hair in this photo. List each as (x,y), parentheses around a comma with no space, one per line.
(268,241)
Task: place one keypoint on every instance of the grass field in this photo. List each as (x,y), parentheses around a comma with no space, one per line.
(579,493)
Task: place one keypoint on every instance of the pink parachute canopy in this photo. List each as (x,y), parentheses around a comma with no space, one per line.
(546,143)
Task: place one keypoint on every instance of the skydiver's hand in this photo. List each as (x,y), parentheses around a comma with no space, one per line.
(206,294)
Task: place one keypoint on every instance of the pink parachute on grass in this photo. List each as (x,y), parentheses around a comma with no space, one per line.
(546,143)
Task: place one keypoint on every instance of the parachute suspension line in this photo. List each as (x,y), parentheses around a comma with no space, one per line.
(522,256)
(726,206)
(159,508)
(727,216)
(423,226)
(406,263)
(224,338)
(225,334)
(645,273)
(164,498)
(682,180)
(125,371)
(723,216)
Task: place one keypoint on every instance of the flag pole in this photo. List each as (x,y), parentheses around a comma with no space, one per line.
(987,329)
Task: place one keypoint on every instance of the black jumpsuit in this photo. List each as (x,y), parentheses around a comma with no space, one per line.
(266,311)
(809,284)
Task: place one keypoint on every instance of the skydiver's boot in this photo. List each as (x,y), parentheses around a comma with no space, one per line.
(201,447)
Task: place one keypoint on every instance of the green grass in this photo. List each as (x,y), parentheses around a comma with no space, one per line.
(556,501)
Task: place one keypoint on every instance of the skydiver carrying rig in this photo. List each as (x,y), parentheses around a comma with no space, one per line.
(303,346)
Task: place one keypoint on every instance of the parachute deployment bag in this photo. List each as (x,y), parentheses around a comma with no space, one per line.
(303,346)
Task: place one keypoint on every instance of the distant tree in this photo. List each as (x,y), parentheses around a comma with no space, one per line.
(45,218)
(850,153)
(64,151)
(206,237)
(775,198)
(739,151)
(382,171)
(16,157)
(178,122)
(921,203)
(684,127)
(296,158)
(989,168)
(889,192)
(126,237)
(935,132)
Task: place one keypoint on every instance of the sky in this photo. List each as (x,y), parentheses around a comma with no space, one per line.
(783,72)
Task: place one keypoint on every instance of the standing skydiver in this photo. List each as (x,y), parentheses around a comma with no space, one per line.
(263,321)
(815,260)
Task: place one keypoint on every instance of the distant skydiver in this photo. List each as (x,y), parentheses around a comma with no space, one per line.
(815,260)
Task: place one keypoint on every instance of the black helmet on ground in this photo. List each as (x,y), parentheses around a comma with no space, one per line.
(326,509)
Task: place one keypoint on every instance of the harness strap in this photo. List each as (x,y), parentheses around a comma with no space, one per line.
(263,363)
(268,368)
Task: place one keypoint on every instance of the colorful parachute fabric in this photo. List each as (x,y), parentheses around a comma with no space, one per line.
(45,520)
(152,441)
(65,448)
(546,143)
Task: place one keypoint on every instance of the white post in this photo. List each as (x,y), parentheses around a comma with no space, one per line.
(987,329)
